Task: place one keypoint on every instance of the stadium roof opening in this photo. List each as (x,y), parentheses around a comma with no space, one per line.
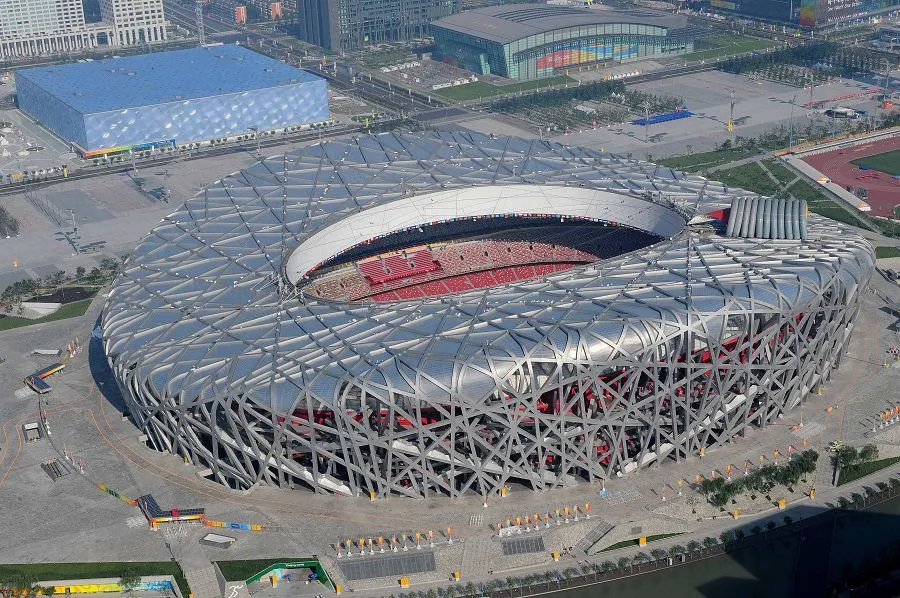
(499,200)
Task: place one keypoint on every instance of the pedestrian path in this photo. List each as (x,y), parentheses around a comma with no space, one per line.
(600,529)
(203,582)
(478,553)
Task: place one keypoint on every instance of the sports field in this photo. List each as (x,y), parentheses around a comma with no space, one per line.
(888,162)
(842,166)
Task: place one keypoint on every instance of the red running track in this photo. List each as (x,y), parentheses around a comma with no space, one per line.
(884,190)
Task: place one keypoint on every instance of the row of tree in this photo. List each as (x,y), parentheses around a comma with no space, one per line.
(598,90)
(28,287)
(9,224)
(847,455)
(843,60)
(719,491)
(622,564)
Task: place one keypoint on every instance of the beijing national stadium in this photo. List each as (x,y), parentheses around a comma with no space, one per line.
(449,313)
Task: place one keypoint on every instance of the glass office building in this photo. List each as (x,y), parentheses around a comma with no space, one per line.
(345,24)
(807,13)
(526,41)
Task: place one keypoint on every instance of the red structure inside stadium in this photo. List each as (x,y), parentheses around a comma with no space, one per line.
(458,256)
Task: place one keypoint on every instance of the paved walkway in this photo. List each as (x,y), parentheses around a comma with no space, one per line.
(203,582)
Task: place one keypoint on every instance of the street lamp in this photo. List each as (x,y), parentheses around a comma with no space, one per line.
(791,134)
(256,132)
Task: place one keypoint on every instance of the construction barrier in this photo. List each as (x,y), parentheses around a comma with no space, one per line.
(251,527)
(111,492)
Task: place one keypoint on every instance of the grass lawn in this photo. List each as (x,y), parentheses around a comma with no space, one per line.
(750,177)
(636,541)
(701,161)
(888,162)
(820,204)
(480,89)
(781,172)
(45,571)
(854,472)
(380,59)
(69,310)
(883,252)
(727,45)
(235,570)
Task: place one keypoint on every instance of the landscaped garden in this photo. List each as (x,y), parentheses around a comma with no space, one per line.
(25,579)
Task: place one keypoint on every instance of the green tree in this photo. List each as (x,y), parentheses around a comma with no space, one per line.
(129,581)
(624,562)
(79,272)
(709,542)
(693,546)
(658,554)
(868,453)
(847,456)
(770,525)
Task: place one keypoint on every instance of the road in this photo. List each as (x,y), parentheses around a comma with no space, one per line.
(83,173)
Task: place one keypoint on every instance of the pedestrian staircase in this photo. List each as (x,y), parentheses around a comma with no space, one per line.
(203,582)
(600,529)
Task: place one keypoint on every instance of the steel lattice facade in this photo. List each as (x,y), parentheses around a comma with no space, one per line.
(579,375)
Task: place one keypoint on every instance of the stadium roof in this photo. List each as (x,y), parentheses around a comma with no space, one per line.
(203,280)
(132,81)
(508,23)
(467,202)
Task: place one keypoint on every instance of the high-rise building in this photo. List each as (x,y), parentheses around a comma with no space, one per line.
(134,21)
(807,13)
(36,27)
(345,24)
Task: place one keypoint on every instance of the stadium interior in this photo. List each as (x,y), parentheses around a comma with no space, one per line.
(464,254)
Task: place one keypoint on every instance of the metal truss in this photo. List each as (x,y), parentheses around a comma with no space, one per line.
(584,374)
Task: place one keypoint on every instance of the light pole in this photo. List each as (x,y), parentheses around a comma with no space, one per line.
(646,121)
(791,133)
(731,112)
(256,132)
